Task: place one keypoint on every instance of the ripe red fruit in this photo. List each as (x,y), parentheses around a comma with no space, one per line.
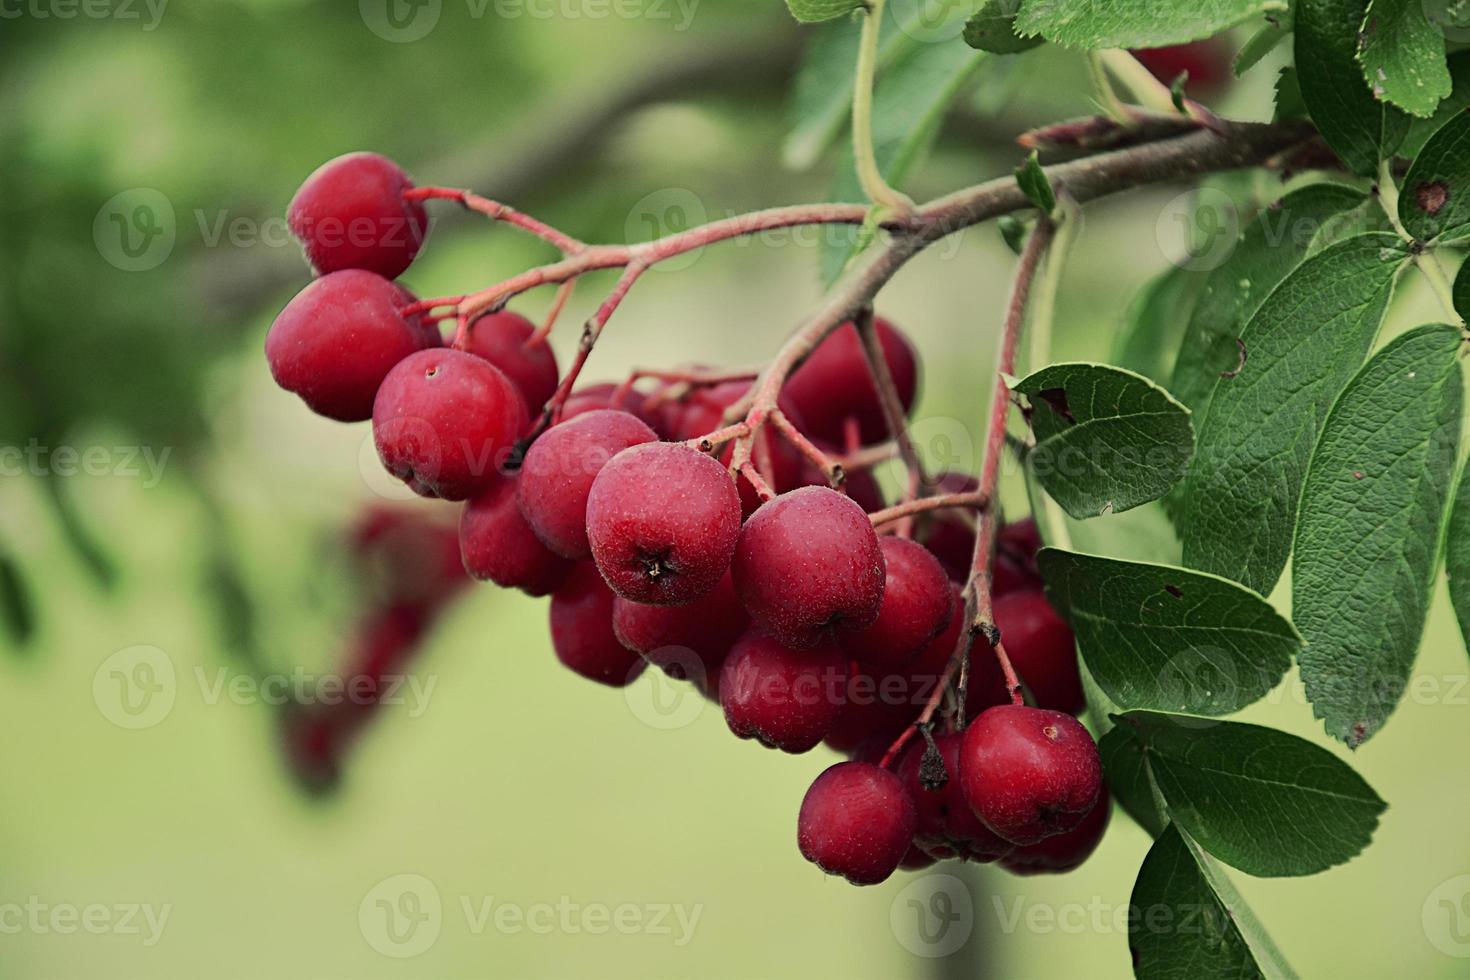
(807,564)
(444,422)
(662,520)
(1029,773)
(339,337)
(834,385)
(503,340)
(350,214)
(1015,557)
(1063,852)
(559,469)
(1041,648)
(496,544)
(783,698)
(1207,61)
(582,630)
(591,398)
(404,557)
(691,640)
(916,607)
(857,821)
(946,827)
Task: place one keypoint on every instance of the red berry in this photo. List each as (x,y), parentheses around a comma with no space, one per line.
(689,640)
(1029,773)
(946,827)
(606,395)
(783,698)
(662,520)
(857,821)
(1063,852)
(834,385)
(496,544)
(339,337)
(444,422)
(582,631)
(1041,648)
(503,339)
(703,411)
(1207,61)
(916,608)
(559,469)
(350,214)
(807,564)
(406,557)
(948,535)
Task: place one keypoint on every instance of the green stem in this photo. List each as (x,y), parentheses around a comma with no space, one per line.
(1147,90)
(1102,90)
(1434,274)
(871,178)
(1388,200)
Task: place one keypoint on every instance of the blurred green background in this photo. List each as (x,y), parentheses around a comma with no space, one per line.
(207,530)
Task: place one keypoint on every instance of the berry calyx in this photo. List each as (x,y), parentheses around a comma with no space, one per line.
(857,821)
(662,520)
(946,827)
(916,608)
(338,338)
(1029,773)
(496,544)
(504,339)
(1042,649)
(582,631)
(351,214)
(560,468)
(445,421)
(808,564)
(783,698)
(834,385)
(1063,852)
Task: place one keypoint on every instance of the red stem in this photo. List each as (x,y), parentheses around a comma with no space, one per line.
(496,211)
(971,500)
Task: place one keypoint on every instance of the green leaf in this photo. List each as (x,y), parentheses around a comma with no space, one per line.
(821,94)
(909,103)
(1367,542)
(17,606)
(1263,801)
(1106,439)
(1456,102)
(1035,185)
(1300,348)
(816,11)
(1457,555)
(1153,328)
(1274,243)
(1357,126)
(1435,200)
(1178,928)
(1134,23)
(1289,102)
(1127,777)
(1262,43)
(1167,638)
(1403,56)
(993,29)
(1460,291)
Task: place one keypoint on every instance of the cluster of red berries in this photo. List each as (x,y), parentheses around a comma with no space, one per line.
(805,622)
(407,573)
